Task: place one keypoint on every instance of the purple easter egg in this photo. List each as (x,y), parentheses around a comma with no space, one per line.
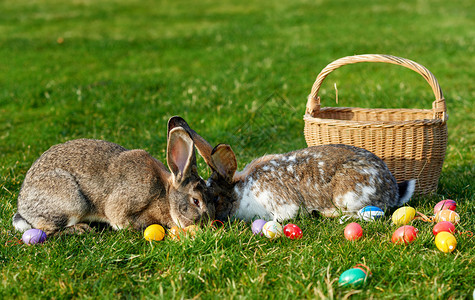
(33,236)
(257,226)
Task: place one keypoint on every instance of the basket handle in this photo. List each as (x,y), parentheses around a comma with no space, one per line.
(438,106)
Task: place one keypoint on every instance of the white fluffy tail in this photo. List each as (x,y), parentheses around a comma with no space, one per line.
(406,190)
(20,223)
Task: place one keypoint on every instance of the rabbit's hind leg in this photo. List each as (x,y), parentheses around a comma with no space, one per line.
(52,201)
(332,212)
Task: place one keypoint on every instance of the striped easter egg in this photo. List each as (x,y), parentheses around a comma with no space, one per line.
(447,215)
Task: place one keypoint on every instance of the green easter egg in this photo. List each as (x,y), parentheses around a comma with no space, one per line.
(353,277)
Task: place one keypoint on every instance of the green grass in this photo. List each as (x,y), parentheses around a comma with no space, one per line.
(238,72)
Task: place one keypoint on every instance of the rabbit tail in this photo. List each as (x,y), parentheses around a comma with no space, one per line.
(406,190)
(20,223)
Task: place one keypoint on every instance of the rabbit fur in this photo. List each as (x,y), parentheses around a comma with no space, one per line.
(331,179)
(88,180)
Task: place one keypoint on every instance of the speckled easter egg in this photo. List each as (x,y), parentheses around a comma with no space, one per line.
(292,231)
(445,204)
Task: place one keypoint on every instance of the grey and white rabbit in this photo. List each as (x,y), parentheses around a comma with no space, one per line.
(88,180)
(331,179)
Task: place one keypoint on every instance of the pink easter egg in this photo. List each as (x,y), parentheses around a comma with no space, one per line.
(445,204)
(353,231)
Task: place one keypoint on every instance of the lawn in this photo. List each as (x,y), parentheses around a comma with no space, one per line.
(239,72)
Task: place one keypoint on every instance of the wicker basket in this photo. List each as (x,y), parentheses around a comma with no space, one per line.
(412,142)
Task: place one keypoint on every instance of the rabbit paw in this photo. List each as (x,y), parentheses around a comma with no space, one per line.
(79,228)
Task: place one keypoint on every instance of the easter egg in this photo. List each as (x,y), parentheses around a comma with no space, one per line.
(445,241)
(403,215)
(33,236)
(272,229)
(354,277)
(353,231)
(447,215)
(191,230)
(176,233)
(445,204)
(154,232)
(443,226)
(370,213)
(404,234)
(257,225)
(292,231)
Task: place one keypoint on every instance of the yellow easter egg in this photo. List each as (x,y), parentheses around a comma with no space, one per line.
(403,215)
(154,232)
(445,241)
(447,215)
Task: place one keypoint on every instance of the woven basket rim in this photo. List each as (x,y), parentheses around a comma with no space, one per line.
(376,124)
(377,110)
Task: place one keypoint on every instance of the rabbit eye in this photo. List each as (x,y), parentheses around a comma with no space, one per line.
(196,202)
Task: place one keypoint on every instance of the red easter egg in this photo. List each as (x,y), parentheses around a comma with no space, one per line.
(443,226)
(353,231)
(445,204)
(292,231)
(404,234)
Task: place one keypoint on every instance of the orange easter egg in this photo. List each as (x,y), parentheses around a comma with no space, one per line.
(447,215)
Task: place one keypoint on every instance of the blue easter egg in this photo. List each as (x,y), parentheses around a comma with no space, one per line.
(353,277)
(33,236)
(370,213)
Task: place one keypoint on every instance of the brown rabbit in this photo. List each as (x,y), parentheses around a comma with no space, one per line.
(330,179)
(92,180)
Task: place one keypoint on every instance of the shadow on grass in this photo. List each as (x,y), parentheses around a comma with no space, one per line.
(457,182)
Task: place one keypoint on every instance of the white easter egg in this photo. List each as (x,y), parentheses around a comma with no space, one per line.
(272,229)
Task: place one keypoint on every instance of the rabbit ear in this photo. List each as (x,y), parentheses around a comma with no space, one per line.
(204,148)
(181,155)
(224,161)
